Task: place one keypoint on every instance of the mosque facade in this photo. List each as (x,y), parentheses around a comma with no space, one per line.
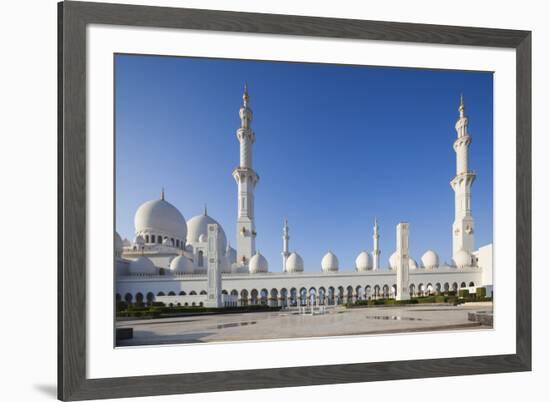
(191,262)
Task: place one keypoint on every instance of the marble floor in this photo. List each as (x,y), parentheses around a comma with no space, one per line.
(290,324)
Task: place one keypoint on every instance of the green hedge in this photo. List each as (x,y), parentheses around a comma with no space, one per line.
(480,293)
(464,293)
(161,310)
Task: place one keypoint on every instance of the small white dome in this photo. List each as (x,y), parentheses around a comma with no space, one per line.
(294,263)
(329,263)
(142,266)
(182,265)
(159,216)
(197,230)
(463,259)
(393,261)
(363,262)
(257,264)
(430,259)
(118,244)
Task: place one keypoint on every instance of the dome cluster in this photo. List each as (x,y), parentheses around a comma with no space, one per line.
(159,223)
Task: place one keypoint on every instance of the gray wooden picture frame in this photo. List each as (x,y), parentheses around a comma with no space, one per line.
(73,18)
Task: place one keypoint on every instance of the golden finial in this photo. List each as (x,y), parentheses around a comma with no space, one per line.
(162,194)
(245,94)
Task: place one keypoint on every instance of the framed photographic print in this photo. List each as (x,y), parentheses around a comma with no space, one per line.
(254,201)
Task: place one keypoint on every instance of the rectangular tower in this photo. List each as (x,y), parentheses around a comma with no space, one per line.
(402,261)
(214,278)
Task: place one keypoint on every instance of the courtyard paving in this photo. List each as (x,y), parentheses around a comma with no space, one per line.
(289,324)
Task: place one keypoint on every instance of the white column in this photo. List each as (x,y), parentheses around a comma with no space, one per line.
(403,261)
(214,277)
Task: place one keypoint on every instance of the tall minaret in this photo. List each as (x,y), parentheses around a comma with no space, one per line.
(246,179)
(376,247)
(463,226)
(286,237)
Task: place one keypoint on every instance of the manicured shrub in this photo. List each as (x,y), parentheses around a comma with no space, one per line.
(464,293)
(480,293)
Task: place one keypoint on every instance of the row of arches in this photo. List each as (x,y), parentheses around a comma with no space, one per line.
(303,296)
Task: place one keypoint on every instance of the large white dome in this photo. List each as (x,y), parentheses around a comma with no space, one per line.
(329,263)
(182,265)
(257,264)
(430,259)
(463,259)
(294,263)
(197,228)
(142,266)
(363,262)
(161,217)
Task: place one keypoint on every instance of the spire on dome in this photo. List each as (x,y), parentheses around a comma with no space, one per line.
(162,194)
(205,212)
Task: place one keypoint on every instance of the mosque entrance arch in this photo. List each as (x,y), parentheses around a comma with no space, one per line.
(303,296)
(263,296)
(293,297)
(360,292)
(322,296)
(274,297)
(385,291)
(244,297)
(254,297)
(376,291)
(340,294)
(331,295)
(284,297)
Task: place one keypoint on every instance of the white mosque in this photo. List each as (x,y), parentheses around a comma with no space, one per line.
(192,262)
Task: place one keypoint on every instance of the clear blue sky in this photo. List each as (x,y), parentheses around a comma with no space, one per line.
(335,146)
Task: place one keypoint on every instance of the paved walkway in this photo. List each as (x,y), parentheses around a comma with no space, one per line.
(288,324)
